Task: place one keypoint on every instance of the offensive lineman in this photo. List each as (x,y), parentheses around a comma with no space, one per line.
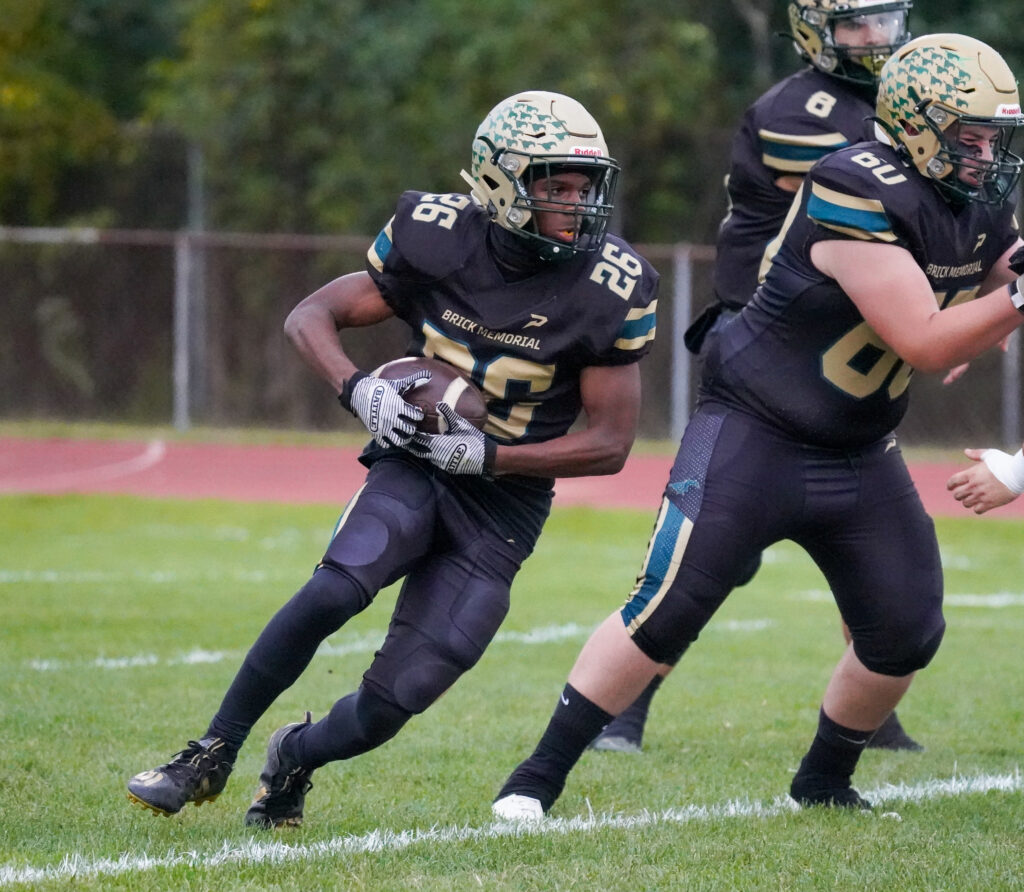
(880,265)
(520,287)
(825,106)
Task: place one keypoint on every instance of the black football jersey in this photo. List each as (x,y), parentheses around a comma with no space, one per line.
(797,122)
(800,355)
(523,343)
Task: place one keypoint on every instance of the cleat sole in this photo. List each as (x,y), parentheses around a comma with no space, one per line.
(142,802)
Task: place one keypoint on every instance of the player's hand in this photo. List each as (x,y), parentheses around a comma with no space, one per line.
(462,449)
(379,405)
(977,487)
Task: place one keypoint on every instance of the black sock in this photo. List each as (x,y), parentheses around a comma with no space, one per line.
(835,750)
(575,722)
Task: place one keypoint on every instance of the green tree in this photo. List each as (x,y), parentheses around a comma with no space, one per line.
(317,115)
(72,77)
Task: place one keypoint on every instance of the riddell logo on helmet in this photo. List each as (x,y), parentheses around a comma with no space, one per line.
(590,151)
(1007,110)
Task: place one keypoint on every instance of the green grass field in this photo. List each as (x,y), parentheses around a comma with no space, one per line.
(125,619)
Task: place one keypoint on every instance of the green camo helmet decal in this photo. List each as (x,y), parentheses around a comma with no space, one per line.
(526,138)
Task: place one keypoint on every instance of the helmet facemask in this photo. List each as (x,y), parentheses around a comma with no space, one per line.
(530,141)
(826,33)
(994,179)
(548,186)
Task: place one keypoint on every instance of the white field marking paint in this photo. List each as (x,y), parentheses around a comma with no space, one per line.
(993,601)
(255,851)
(367,643)
(149,577)
(192,658)
(153,454)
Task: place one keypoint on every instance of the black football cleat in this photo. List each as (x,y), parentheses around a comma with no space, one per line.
(197,774)
(891,736)
(832,792)
(283,786)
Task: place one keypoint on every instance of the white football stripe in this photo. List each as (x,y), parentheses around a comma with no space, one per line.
(453,391)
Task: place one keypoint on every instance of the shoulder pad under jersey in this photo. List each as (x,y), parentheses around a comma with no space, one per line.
(805,117)
(864,192)
(431,232)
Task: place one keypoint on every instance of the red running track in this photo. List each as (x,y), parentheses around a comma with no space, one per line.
(319,474)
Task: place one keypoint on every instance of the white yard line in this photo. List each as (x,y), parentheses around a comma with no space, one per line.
(990,601)
(366,643)
(257,851)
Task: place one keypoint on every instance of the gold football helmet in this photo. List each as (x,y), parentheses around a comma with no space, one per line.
(935,84)
(534,135)
(813,24)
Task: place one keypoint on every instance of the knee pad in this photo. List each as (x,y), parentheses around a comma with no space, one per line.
(748,571)
(330,598)
(378,719)
(416,682)
(386,530)
(903,651)
(356,724)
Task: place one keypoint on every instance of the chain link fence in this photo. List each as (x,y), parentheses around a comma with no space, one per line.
(160,327)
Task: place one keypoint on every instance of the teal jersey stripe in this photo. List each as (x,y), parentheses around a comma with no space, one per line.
(852,218)
(786,152)
(637,328)
(382,246)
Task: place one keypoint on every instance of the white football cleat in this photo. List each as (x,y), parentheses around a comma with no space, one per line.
(516,807)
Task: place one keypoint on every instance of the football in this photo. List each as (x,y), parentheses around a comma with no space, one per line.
(446,384)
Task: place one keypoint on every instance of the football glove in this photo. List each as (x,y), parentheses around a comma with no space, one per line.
(379,405)
(462,449)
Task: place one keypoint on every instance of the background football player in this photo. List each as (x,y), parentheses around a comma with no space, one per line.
(823,107)
(878,272)
(520,286)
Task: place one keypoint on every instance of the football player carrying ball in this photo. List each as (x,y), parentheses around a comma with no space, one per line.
(519,285)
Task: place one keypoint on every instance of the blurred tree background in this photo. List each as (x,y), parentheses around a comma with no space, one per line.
(312,117)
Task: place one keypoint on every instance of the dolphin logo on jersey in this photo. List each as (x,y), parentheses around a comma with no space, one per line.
(684,486)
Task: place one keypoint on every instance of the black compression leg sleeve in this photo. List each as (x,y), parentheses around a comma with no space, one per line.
(284,649)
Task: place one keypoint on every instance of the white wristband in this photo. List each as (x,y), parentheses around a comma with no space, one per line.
(1007,469)
(1017,294)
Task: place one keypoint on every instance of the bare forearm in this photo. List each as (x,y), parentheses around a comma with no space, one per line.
(961,333)
(312,332)
(351,301)
(580,454)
